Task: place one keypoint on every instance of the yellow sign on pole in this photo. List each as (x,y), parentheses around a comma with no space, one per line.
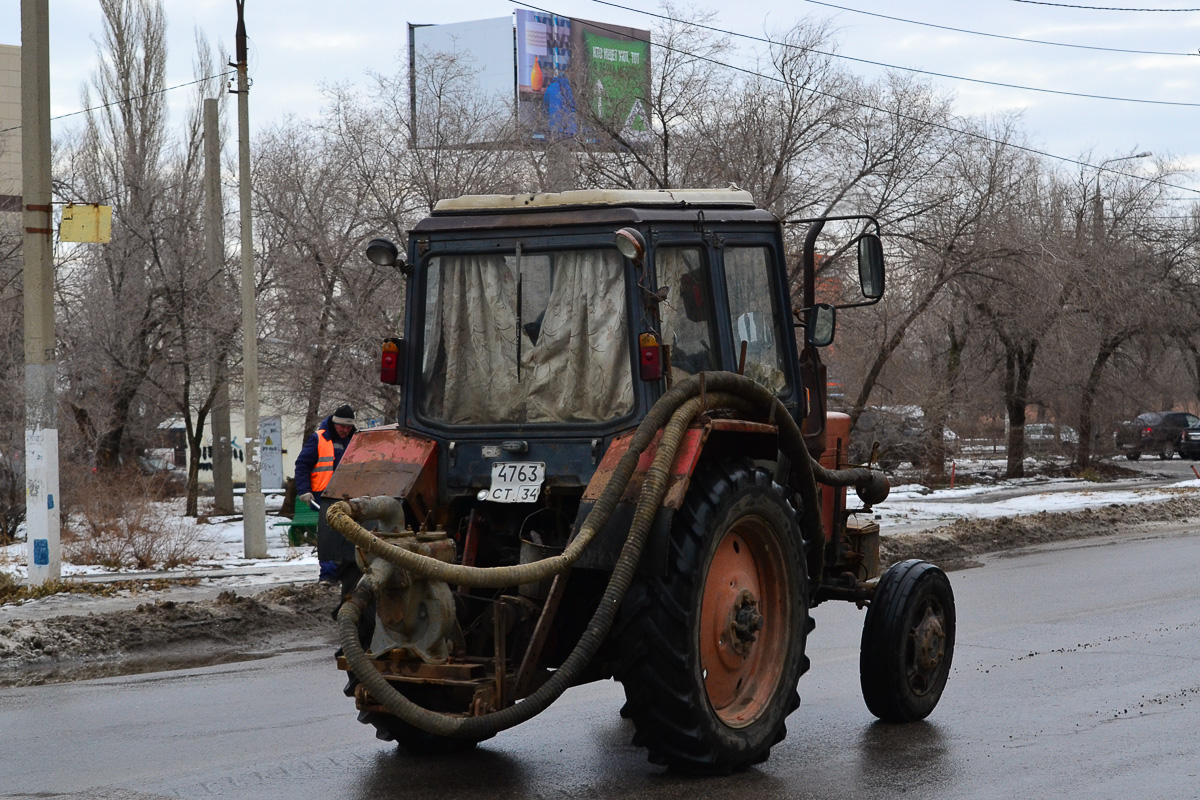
(88,223)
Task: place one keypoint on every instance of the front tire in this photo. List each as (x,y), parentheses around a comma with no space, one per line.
(1167,452)
(1133,455)
(907,642)
(712,650)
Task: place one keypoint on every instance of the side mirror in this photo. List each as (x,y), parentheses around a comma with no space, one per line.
(820,323)
(384,253)
(870,266)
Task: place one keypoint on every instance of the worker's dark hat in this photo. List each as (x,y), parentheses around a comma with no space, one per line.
(343,416)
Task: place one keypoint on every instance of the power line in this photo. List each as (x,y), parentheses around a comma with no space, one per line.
(1099,8)
(1001,36)
(127,99)
(907,69)
(869,107)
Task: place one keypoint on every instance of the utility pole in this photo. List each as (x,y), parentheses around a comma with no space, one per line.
(41,414)
(254,524)
(222,466)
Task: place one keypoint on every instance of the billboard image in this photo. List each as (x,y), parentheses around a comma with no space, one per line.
(567,66)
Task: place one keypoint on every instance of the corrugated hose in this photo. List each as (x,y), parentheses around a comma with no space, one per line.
(673,412)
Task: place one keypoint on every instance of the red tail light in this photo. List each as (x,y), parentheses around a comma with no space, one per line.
(650,357)
(1147,431)
(389,363)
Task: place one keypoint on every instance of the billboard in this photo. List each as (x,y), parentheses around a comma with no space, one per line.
(570,78)
(469,63)
(581,79)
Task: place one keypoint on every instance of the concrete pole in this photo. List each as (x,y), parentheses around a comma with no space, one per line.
(222,449)
(41,413)
(253,504)
(222,467)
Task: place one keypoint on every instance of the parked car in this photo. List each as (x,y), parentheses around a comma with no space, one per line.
(901,436)
(1189,444)
(1154,432)
(1048,437)
(169,479)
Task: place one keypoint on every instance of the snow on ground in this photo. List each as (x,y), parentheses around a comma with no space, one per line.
(913,507)
(909,508)
(220,539)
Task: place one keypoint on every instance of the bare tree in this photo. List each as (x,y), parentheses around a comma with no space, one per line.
(200,316)
(118,160)
(131,371)
(318,289)
(779,132)
(1135,281)
(12,378)
(949,241)
(1022,295)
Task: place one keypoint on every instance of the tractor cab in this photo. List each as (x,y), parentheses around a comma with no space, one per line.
(541,326)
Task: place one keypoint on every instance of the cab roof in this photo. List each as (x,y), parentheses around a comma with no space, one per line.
(591,198)
(592,207)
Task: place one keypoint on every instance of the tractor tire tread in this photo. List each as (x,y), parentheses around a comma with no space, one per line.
(883,630)
(673,723)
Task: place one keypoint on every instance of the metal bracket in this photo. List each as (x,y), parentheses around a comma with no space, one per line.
(500,618)
(541,630)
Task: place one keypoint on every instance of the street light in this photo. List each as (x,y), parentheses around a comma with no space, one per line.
(1098,201)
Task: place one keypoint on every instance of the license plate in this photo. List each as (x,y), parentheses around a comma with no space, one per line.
(516,481)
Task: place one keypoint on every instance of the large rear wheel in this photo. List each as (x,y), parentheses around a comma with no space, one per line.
(712,650)
(907,642)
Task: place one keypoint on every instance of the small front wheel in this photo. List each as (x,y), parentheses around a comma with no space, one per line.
(1167,452)
(1133,455)
(907,642)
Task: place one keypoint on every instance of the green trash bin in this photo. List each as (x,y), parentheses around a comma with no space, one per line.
(302,529)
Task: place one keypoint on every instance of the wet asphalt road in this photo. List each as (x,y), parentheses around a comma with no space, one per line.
(1177,468)
(1077,674)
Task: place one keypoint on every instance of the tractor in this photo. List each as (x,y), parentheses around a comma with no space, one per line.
(613,459)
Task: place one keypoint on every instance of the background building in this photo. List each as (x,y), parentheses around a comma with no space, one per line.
(10,127)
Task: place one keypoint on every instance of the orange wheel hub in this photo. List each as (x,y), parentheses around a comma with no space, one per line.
(745,621)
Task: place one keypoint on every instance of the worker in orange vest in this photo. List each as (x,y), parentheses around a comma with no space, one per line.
(314,467)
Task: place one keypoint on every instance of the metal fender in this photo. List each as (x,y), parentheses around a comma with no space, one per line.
(712,437)
(389,462)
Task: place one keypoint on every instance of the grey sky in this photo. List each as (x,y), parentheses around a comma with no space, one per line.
(296,45)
